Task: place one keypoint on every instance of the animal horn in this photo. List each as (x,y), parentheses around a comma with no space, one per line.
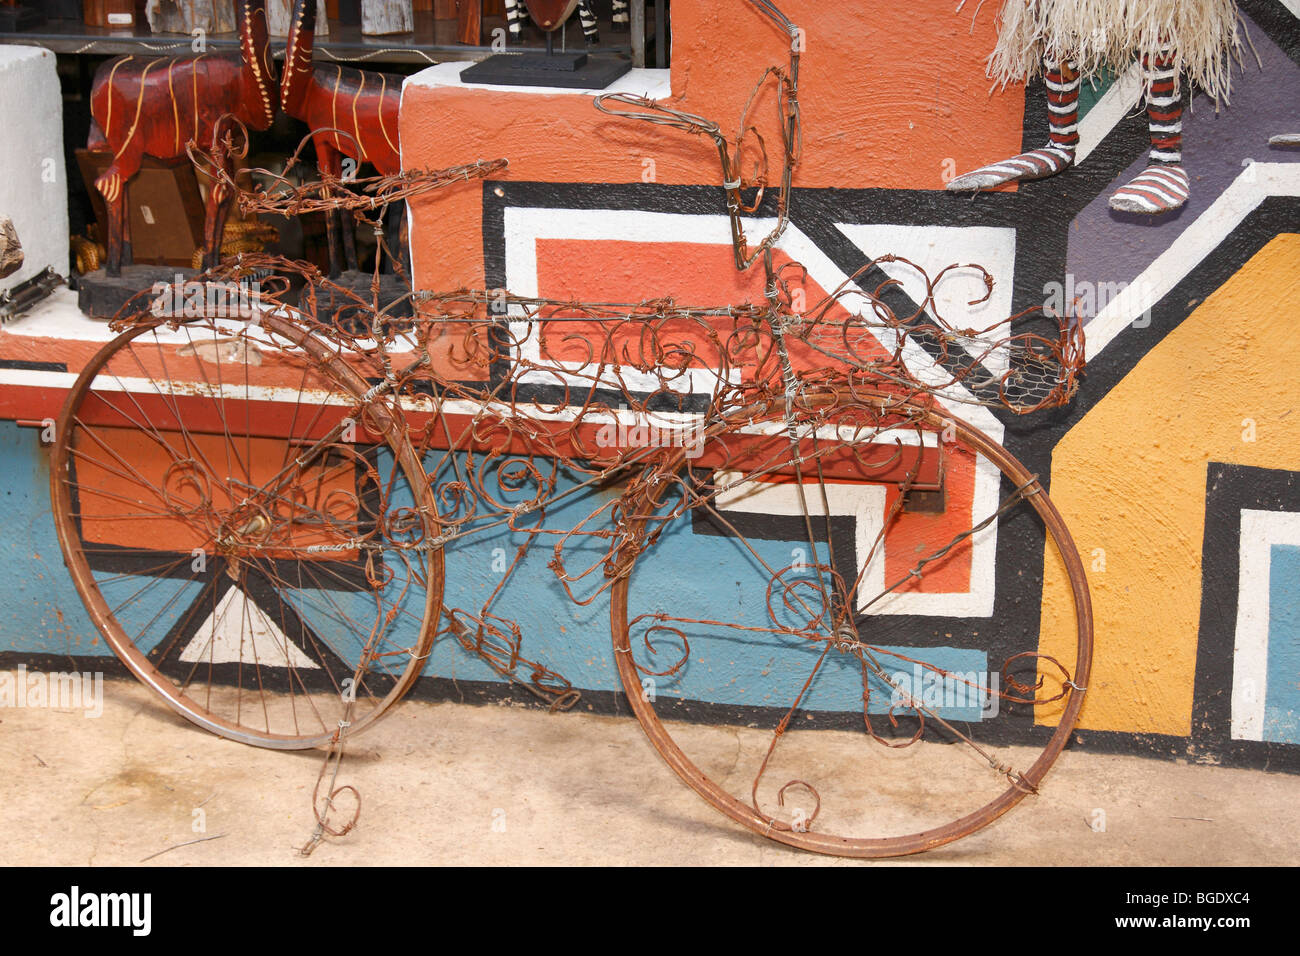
(259,67)
(297,57)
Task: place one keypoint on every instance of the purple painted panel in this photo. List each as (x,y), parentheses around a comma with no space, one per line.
(1106,246)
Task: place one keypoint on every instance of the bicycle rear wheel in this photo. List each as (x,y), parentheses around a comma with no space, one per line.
(246,528)
(863,613)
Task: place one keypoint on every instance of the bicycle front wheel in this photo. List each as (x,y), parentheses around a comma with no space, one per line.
(247,527)
(855,592)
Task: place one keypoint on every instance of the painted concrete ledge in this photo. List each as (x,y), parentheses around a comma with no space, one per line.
(644,82)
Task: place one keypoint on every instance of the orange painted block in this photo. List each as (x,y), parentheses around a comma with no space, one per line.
(132,488)
(893,96)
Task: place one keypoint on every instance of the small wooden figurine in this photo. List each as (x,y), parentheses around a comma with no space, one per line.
(155,107)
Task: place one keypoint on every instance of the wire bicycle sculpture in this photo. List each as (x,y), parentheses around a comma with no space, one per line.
(267,510)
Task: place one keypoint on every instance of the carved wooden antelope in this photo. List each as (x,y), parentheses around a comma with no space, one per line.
(352,112)
(154,107)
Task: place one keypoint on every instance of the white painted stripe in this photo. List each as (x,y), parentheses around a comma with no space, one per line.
(1169,176)
(1023,165)
(934,248)
(525,226)
(1139,189)
(1185,253)
(1146,184)
(35,378)
(1260,531)
(866,504)
(1044,158)
(1172,181)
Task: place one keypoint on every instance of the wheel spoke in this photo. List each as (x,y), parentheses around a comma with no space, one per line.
(829,683)
(298,595)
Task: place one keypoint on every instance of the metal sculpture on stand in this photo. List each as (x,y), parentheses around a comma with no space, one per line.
(517,16)
(565,70)
(156,107)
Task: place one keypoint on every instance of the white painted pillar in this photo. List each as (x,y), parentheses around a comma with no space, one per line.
(34,184)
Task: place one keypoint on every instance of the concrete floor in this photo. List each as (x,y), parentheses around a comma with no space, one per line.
(462,784)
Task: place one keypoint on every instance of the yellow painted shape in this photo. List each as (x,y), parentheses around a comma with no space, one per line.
(1130,478)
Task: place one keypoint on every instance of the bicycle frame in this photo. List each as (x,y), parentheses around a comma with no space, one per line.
(502,412)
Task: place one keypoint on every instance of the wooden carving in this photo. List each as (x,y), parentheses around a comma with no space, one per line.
(380,17)
(469,22)
(154,107)
(186,16)
(352,112)
(550,14)
(279,17)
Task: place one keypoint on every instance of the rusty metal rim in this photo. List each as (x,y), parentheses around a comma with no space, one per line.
(100,612)
(746,815)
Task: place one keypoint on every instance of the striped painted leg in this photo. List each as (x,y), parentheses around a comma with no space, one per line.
(1163,186)
(1057,155)
(516,16)
(590,32)
(622,22)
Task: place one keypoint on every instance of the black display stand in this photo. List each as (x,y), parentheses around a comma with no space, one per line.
(571,71)
(101,296)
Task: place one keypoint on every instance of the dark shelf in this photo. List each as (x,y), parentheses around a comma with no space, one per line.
(433,41)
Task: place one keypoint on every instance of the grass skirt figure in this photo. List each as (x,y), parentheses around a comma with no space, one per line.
(1069,41)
